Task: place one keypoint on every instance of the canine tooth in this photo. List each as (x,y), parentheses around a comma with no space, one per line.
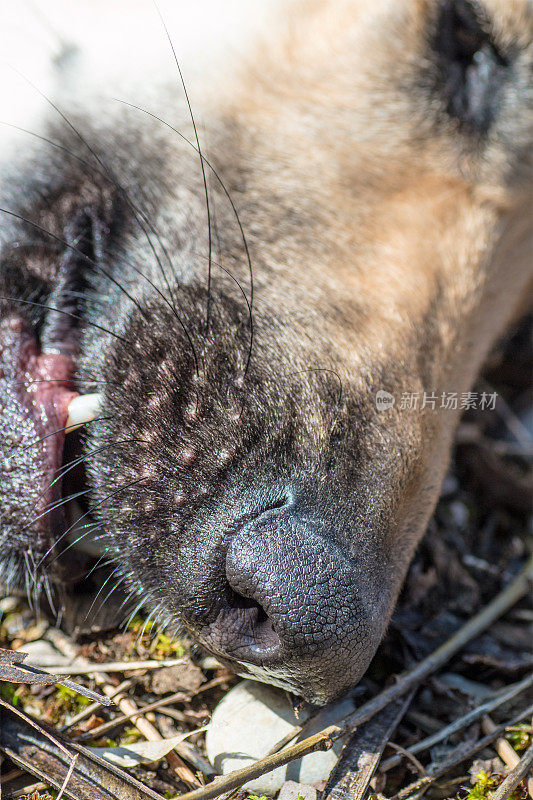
(82,409)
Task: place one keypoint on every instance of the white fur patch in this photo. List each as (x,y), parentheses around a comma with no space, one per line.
(91,49)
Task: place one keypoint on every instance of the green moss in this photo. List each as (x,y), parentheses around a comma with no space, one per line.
(261,797)
(484,785)
(70,699)
(103,741)
(8,693)
(55,708)
(166,647)
(520,738)
(157,642)
(130,736)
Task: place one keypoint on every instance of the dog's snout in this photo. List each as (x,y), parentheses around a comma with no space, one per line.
(293,599)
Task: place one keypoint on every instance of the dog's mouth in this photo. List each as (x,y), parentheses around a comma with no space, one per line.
(39,407)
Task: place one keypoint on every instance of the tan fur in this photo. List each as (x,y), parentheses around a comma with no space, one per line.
(399,210)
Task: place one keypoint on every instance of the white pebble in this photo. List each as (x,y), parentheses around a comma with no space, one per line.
(251,719)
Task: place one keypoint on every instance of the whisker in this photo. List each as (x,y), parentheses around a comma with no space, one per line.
(74,463)
(60,380)
(103,560)
(54,433)
(109,173)
(135,611)
(93,263)
(233,207)
(204,177)
(100,590)
(67,313)
(86,514)
(53,506)
(49,596)
(30,579)
(79,252)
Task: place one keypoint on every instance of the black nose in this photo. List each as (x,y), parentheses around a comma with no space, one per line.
(296,604)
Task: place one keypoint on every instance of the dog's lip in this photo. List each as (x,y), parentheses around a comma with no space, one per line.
(39,388)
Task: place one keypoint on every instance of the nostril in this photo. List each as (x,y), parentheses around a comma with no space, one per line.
(251,625)
(243,629)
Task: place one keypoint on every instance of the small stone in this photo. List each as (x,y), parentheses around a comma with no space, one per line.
(292,791)
(251,719)
(43,654)
(182,677)
(210,663)
(8,604)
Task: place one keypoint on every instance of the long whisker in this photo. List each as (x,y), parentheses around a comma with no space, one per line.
(79,252)
(135,611)
(84,516)
(204,177)
(108,595)
(54,433)
(97,267)
(108,172)
(58,380)
(233,207)
(74,463)
(233,278)
(55,505)
(67,313)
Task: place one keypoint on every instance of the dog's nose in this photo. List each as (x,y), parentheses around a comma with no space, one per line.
(294,598)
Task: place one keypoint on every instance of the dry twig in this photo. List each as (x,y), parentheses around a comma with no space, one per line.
(462,722)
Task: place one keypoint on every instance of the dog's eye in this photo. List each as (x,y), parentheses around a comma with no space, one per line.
(471,70)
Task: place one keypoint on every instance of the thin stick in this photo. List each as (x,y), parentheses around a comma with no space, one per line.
(67,776)
(508,754)
(325,738)
(361,753)
(421,785)
(105,727)
(127,706)
(515,776)
(177,697)
(88,710)
(461,723)
(113,666)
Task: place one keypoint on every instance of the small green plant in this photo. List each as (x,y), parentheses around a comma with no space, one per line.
(8,693)
(130,736)
(484,785)
(158,642)
(70,698)
(480,790)
(63,702)
(520,737)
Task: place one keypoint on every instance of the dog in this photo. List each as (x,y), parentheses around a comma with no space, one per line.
(264,253)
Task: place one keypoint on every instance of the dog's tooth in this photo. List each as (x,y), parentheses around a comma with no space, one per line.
(82,409)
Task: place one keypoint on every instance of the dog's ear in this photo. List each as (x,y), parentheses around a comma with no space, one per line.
(471,69)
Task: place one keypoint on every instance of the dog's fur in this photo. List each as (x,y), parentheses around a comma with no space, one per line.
(378,156)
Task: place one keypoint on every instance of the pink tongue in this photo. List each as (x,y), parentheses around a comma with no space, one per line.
(35,391)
